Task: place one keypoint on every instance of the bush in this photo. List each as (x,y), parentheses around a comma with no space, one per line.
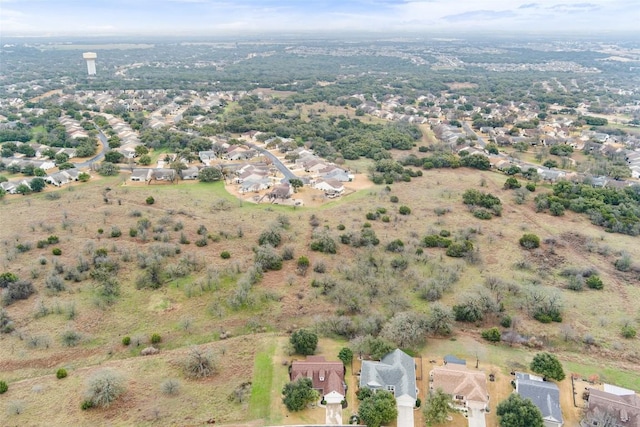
(56,251)
(505,322)
(594,282)
(70,338)
(170,387)
(133,232)
(155,338)
(482,214)
(103,388)
(529,241)
(14,291)
(458,250)
(531,187)
(86,404)
(628,332)
(61,373)
(199,364)
(404,210)
(341,227)
(324,243)
(3,387)
(394,199)
(270,237)
(115,232)
(492,335)
(126,340)
(225,255)
(150,200)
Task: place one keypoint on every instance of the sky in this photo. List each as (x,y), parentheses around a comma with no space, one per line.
(198,17)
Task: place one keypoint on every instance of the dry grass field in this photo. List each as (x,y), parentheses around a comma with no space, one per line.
(186,312)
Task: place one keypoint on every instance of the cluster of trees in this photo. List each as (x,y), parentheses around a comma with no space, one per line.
(449,160)
(483,205)
(617,210)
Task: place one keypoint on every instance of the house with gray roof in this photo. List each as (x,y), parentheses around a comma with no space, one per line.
(396,372)
(544,394)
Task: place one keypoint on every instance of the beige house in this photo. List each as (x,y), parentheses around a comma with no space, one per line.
(467,387)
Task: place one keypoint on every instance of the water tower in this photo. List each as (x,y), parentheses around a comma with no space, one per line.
(90,57)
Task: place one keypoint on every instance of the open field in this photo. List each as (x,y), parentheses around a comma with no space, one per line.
(195,307)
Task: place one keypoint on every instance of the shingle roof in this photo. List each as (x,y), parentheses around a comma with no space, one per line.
(326,376)
(458,380)
(545,395)
(625,409)
(396,369)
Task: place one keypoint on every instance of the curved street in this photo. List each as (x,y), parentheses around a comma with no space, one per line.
(105,147)
(288,175)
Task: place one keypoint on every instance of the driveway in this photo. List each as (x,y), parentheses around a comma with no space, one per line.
(333,414)
(476,418)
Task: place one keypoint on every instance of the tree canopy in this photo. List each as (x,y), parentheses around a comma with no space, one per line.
(377,409)
(437,408)
(298,394)
(304,341)
(518,412)
(547,365)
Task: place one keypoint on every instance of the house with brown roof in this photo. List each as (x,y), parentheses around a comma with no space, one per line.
(467,387)
(327,377)
(615,406)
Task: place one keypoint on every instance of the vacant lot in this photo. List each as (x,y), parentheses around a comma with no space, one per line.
(198,301)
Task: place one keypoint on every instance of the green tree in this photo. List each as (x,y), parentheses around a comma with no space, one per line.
(437,408)
(518,412)
(144,160)
(298,394)
(296,183)
(108,169)
(37,184)
(209,174)
(304,341)
(113,157)
(548,366)
(345,355)
(378,409)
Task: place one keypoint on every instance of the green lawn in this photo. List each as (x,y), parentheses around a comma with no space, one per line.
(260,403)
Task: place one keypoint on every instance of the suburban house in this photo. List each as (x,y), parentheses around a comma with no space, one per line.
(613,406)
(329,186)
(190,173)
(63,177)
(544,394)
(396,372)
(468,388)
(327,377)
(141,175)
(255,185)
(161,174)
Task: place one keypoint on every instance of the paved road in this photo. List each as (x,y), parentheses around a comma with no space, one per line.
(105,146)
(481,142)
(288,175)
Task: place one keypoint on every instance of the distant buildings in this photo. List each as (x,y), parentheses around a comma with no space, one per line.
(90,57)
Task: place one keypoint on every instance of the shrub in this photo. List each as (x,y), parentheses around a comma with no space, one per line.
(324,243)
(287,253)
(155,338)
(270,237)
(225,255)
(458,250)
(70,338)
(61,373)
(170,387)
(6,324)
(86,404)
(531,187)
(492,334)
(3,387)
(404,210)
(150,200)
(482,214)
(133,232)
(22,289)
(103,388)
(505,322)
(126,340)
(394,199)
(199,364)
(267,258)
(594,282)
(341,227)
(56,251)
(529,241)
(628,332)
